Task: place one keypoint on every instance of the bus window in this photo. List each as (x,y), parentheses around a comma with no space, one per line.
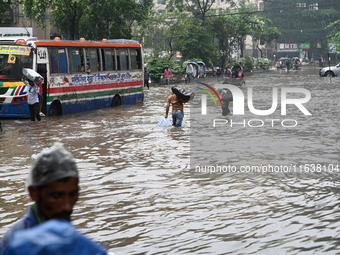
(54,60)
(127,59)
(107,59)
(118,59)
(114,60)
(92,59)
(135,59)
(75,59)
(102,57)
(138,59)
(27,61)
(62,60)
(16,68)
(123,59)
(12,61)
(100,60)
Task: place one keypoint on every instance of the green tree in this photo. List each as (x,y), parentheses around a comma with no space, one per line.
(197,42)
(226,28)
(93,20)
(204,33)
(334,36)
(199,9)
(69,22)
(163,32)
(119,15)
(4,6)
(36,10)
(261,31)
(156,67)
(231,30)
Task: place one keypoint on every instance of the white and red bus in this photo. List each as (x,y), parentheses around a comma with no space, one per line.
(78,75)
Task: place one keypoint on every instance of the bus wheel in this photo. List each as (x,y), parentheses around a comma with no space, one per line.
(116,101)
(55,109)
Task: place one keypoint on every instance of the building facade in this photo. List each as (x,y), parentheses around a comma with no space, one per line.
(15,24)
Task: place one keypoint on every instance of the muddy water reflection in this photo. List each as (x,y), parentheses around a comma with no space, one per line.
(138,196)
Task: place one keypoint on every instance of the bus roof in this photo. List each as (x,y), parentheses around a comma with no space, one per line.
(75,43)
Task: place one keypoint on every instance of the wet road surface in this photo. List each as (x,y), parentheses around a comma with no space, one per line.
(138,194)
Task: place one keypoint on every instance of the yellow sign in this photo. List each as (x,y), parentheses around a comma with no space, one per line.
(11,59)
(15,50)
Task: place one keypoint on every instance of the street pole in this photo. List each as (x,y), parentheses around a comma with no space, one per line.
(329,67)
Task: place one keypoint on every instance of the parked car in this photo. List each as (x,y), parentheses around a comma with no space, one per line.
(330,72)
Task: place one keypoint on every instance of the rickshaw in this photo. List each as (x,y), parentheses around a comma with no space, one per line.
(296,63)
(191,70)
(286,63)
(201,69)
(236,77)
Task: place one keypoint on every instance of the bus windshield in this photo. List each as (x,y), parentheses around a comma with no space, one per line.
(13,59)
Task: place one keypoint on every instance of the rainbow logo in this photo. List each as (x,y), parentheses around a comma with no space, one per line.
(210,94)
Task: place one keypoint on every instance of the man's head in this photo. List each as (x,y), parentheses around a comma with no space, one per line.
(53,183)
(30,82)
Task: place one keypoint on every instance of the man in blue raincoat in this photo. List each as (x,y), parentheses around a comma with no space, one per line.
(53,186)
(52,238)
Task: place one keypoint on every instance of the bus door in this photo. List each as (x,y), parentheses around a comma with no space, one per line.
(42,62)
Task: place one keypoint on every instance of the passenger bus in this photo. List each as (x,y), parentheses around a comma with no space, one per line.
(78,75)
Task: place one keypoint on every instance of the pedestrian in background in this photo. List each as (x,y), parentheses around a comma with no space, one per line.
(33,91)
(227,72)
(167,74)
(41,99)
(146,78)
(42,71)
(218,74)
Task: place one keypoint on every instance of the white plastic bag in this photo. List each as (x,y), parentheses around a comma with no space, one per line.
(163,122)
(32,75)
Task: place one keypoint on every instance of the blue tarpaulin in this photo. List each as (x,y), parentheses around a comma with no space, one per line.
(57,237)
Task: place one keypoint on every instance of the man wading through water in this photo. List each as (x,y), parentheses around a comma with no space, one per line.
(177,110)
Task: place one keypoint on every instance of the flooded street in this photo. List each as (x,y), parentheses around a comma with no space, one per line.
(139,196)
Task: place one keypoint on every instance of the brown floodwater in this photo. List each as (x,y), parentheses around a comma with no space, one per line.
(138,195)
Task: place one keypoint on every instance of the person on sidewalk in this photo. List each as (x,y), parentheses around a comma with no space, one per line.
(167,74)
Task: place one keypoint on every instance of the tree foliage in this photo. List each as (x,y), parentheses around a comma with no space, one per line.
(163,32)
(334,36)
(93,20)
(4,5)
(197,42)
(227,35)
(69,22)
(156,67)
(231,31)
(36,10)
(119,15)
